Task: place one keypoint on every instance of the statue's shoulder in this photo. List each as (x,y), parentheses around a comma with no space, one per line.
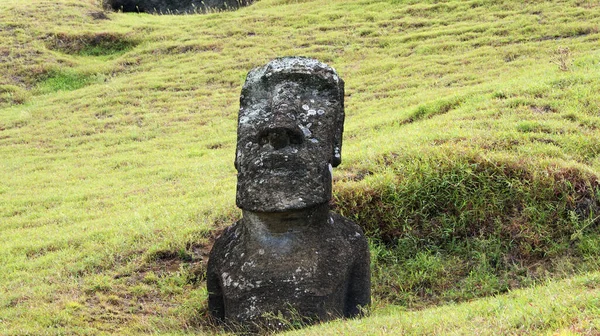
(229,236)
(352,231)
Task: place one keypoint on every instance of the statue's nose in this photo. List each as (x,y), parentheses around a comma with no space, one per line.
(280,137)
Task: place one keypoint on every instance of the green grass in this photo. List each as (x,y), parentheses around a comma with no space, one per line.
(471,158)
(66,81)
(568,307)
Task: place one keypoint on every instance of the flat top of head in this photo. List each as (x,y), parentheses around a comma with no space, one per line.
(294,66)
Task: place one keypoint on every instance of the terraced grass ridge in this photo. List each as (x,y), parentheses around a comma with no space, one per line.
(471,159)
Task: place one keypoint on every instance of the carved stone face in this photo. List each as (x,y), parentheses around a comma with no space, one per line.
(289,135)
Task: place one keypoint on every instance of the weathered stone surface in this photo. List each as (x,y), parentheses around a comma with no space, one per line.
(175,6)
(289,254)
(317,270)
(289,135)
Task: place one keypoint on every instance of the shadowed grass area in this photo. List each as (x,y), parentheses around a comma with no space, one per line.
(470,157)
(66,80)
(91,44)
(456,229)
(12,95)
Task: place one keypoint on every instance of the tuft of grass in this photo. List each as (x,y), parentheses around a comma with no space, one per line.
(12,95)
(563,58)
(433,109)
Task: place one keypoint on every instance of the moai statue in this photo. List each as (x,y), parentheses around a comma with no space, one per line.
(174,6)
(289,255)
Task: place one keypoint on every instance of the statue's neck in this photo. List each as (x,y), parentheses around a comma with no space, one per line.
(297,221)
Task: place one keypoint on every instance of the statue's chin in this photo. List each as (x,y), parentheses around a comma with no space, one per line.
(284,194)
(283,205)
(274,201)
(279,190)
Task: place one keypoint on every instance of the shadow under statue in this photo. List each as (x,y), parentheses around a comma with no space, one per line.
(289,256)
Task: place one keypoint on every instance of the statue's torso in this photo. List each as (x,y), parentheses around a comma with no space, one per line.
(308,271)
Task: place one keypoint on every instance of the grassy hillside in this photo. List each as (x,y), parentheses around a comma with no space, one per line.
(567,307)
(471,158)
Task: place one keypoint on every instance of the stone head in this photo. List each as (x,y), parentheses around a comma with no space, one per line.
(290,128)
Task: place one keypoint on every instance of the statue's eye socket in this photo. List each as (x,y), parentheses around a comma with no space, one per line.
(295,137)
(262,140)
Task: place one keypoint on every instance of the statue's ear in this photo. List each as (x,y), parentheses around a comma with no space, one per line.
(336,157)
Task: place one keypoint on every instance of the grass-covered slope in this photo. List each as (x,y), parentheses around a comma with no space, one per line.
(568,307)
(471,152)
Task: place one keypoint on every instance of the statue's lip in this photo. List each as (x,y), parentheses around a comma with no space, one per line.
(279,172)
(277,164)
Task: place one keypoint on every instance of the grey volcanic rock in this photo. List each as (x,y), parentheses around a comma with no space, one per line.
(175,6)
(289,135)
(317,270)
(288,254)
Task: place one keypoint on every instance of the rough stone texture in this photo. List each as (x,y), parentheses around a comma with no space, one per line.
(289,135)
(289,254)
(175,6)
